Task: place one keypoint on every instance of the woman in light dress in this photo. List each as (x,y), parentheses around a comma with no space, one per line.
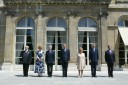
(80,62)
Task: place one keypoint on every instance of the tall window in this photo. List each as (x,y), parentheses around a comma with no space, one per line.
(87,35)
(122,48)
(56,36)
(24,36)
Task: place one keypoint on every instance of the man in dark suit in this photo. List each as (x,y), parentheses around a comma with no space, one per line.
(65,58)
(93,57)
(110,59)
(26,59)
(50,60)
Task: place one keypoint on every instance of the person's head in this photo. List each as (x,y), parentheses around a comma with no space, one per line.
(80,50)
(26,47)
(39,48)
(93,45)
(109,47)
(50,47)
(65,46)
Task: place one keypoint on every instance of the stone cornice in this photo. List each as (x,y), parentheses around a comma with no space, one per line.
(118,6)
(57,3)
(112,27)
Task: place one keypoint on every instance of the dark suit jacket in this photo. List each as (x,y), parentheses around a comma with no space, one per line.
(94,56)
(26,57)
(65,55)
(50,57)
(109,58)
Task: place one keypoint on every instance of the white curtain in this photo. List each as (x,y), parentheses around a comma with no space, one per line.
(62,37)
(50,38)
(80,38)
(31,23)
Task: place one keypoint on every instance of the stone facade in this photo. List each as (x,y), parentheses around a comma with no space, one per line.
(106,16)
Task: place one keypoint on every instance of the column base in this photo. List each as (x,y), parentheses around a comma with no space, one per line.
(7,67)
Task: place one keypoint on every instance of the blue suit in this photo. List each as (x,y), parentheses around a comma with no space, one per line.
(26,59)
(110,59)
(65,57)
(50,59)
(93,57)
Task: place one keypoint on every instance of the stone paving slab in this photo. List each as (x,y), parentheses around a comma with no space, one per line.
(16,78)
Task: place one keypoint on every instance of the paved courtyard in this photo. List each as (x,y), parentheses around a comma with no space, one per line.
(16,78)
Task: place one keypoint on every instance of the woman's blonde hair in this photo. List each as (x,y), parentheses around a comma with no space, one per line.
(81,49)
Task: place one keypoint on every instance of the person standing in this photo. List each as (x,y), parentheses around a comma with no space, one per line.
(81,62)
(110,59)
(93,57)
(65,58)
(26,59)
(50,60)
(39,66)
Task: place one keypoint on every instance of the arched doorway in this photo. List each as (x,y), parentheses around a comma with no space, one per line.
(56,36)
(25,35)
(87,35)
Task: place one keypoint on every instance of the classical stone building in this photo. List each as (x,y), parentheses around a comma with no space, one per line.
(78,23)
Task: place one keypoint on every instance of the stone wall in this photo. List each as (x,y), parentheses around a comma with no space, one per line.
(2,36)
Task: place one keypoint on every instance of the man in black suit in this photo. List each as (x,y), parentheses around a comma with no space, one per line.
(93,57)
(50,60)
(65,58)
(26,59)
(110,59)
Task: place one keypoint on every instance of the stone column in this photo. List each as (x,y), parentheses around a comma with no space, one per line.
(113,40)
(103,39)
(102,43)
(8,50)
(73,38)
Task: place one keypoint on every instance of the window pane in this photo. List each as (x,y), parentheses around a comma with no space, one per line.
(126,23)
(19,53)
(19,46)
(121,23)
(19,38)
(20,32)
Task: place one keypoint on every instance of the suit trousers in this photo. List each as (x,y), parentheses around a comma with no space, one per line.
(110,69)
(93,68)
(65,67)
(25,69)
(49,69)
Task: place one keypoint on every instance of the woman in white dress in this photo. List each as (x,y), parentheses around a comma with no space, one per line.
(80,62)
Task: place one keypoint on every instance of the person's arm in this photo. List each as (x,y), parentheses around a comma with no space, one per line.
(37,55)
(85,58)
(97,55)
(77,60)
(53,56)
(30,57)
(61,56)
(106,56)
(46,57)
(69,55)
(114,56)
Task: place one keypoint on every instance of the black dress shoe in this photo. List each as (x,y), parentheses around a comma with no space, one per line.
(95,76)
